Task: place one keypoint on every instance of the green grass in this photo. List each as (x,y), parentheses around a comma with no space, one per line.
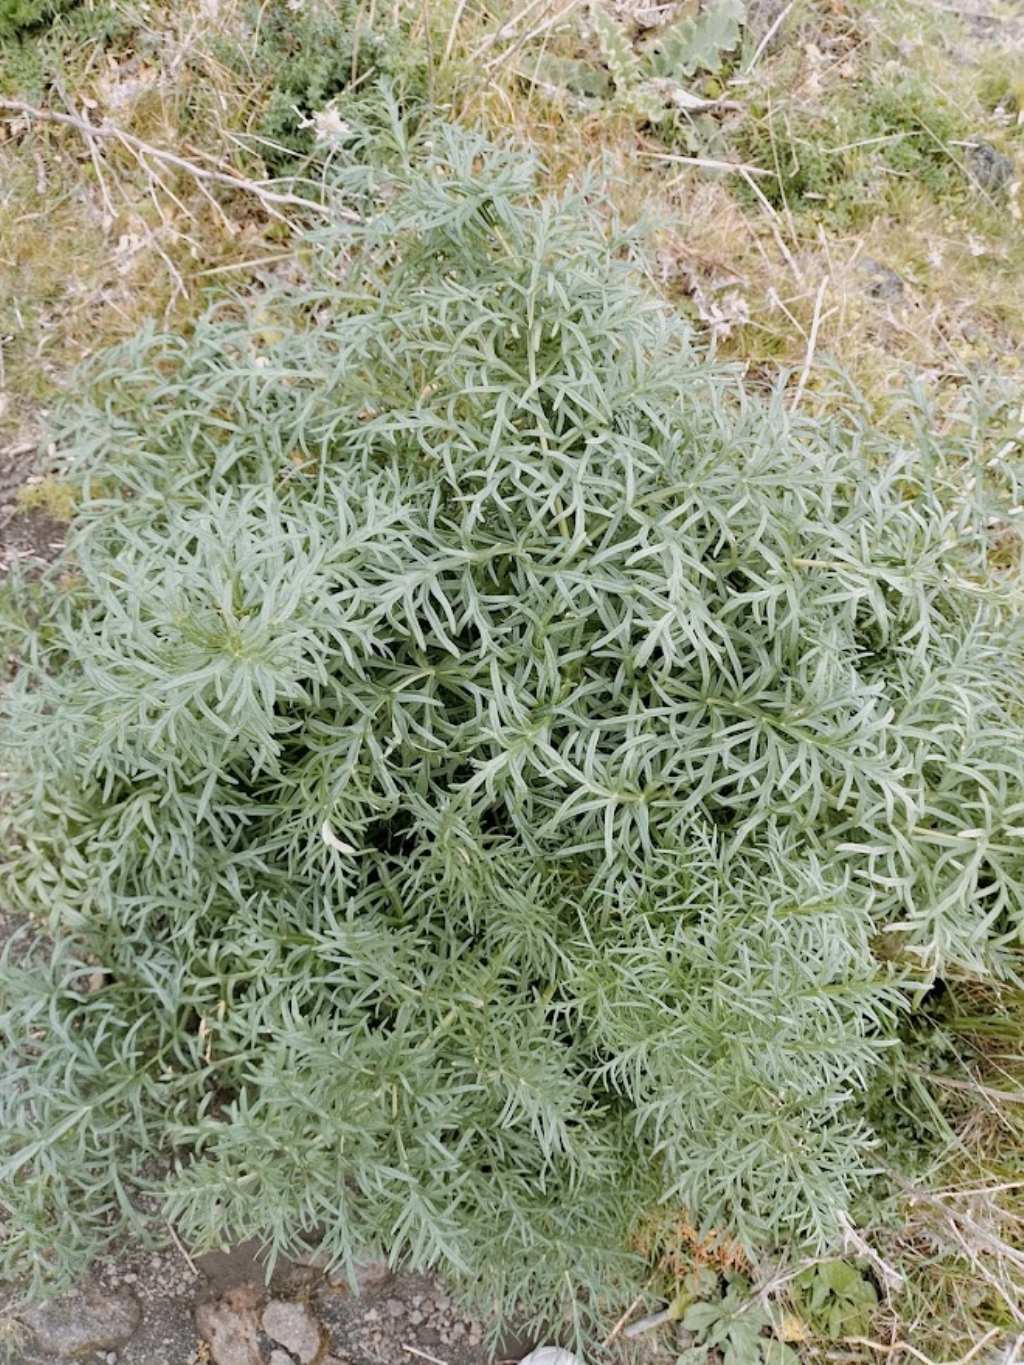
(20,16)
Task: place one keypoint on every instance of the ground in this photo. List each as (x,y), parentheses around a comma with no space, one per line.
(150,1309)
(852,209)
(167,1307)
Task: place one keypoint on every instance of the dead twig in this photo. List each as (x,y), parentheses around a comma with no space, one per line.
(94,155)
(183,1249)
(812,341)
(423,1355)
(780,19)
(709,162)
(449,46)
(525,39)
(162,155)
(896,1347)
(988,1091)
(762,199)
(891,1277)
(624,1319)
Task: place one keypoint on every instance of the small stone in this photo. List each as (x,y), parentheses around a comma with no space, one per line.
(280,1358)
(368,1275)
(394,1308)
(550,1355)
(231,1327)
(293,1326)
(988,166)
(372,1273)
(884,283)
(88,1321)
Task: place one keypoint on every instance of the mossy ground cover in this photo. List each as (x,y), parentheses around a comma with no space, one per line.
(876,232)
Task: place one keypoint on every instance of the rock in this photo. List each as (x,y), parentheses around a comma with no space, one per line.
(884,283)
(280,1358)
(371,1274)
(395,1308)
(550,1355)
(231,1327)
(293,1326)
(989,168)
(368,1274)
(83,1323)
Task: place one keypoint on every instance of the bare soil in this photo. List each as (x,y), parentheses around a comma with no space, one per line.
(27,536)
(392,1319)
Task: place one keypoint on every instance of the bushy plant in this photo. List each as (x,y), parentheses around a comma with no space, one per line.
(309,55)
(645,81)
(467,759)
(43,43)
(17,16)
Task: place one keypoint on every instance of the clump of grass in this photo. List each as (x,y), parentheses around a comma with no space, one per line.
(1000,89)
(19,16)
(839,161)
(471,764)
(13,1338)
(33,55)
(51,496)
(951,1231)
(297,61)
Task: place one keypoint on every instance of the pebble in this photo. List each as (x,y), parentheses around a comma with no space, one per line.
(395,1307)
(293,1326)
(87,1321)
(884,283)
(550,1355)
(988,166)
(280,1358)
(231,1327)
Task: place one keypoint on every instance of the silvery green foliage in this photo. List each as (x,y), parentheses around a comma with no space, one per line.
(698,42)
(645,705)
(648,82)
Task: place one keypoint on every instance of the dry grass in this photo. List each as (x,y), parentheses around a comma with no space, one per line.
(94,238)
(909,282)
